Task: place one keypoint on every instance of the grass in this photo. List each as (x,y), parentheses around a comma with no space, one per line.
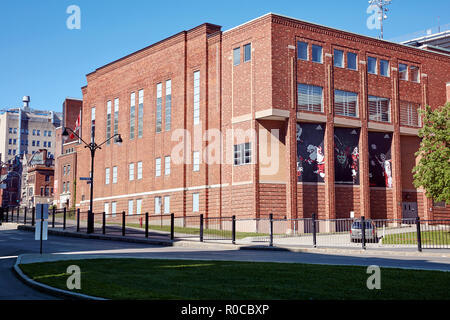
(219,280)
(428,237)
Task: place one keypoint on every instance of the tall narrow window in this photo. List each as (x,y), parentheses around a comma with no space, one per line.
(316,53)
(196,161)
(131,171)
(403,71)
(141,113)
(113,208)
(167,165)
(372,65)
(384,68)
(139,170)
(106,208)
(310,98)
(158,107)
(352,61)
(195,202)
(108,121)
(132,114)
(196,97)
(247,52)
(139,206)
(130,207)
(166,204)
(345,103)
(116,116)
(114,175)
(157,205)
(168,111)
(414,74)
(236,56)
(338,58)
(107,174)
(379,109)
(302,49)
(158,167)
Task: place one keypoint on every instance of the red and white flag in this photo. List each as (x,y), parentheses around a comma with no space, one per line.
(77,125)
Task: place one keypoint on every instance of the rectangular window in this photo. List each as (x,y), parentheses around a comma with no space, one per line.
(409,114)
(158,107)
(113,208)
(107,174)
(38,132)
(130,207)
(384,68)
(247,52)
(132,114)
(108,121)
(116,116)
(45,133)
(195,202)
(302,48)
(45,144)
(38,143)
(10,130)
(242,154)
(50,133)
(106,208)
(196,97)
(168,111)
(141,114)
(403,71)
(310,98)
(131,171)
(158,167)
(49,144)
(139,206)
(166,204)
(372,65)
(68,187)
(157,205)
(345,103)
(139,170)
(379,109)
(68,169)
(414,74)
(316,53)
(167,165)
(338,58)
(196,161)
(114,175)
(34,132)
(236,56)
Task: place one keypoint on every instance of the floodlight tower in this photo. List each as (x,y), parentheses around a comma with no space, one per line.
(381,4)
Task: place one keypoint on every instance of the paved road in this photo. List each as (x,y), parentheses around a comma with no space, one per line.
(14,242)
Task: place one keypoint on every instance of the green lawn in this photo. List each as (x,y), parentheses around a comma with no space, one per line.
(217,280)
(428,237)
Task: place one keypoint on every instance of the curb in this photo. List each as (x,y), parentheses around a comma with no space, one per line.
(47,289)
(192,244)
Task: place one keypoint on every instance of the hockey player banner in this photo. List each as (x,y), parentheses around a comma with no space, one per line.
(380,161)
(310,152)
(346,156)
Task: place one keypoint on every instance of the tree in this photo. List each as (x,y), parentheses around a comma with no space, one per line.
(433,170)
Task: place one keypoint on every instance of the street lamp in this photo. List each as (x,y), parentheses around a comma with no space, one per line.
(92,147)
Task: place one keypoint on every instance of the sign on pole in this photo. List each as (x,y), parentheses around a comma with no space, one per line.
(41,230)
(42,212)
(37,233)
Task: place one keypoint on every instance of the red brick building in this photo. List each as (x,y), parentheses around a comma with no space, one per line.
(66,156)
(312,120)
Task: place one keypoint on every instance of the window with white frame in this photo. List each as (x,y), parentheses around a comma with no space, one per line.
(158,107)
(409,114)
(338,58)
(139,206)
(114,180)
(379,109)
(130,207)
(195,202)
(310,98)
(113,208)
(414,74)
(242,154)
(247,52)
(237,56)
(196,161)
(157,205)
(168,109)
(372,65)
(384,68)
(141,113)
(196,97)
(116,116)
(131,171)
(167,165)
(106,208)
(108,121)
(317,53)
(107,174)
(345,103)
(302,50)
(166,204)
(139,170)
(403,71)
(132,114)
(158,167)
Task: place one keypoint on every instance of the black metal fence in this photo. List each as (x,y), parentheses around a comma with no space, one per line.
(308,232)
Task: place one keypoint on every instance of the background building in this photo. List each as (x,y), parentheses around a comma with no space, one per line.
(66,156)
(341,107)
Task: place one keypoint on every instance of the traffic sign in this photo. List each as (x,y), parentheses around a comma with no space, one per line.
(37,233)
(42,210)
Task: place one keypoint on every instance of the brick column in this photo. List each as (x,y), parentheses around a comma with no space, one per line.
(396,150)
(291,140)
(448,91)
(330,201)
(427,203)
(364,145)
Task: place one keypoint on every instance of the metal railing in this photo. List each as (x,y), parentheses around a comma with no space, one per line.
(267,230)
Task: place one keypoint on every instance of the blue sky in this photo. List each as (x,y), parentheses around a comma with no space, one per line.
(42,58)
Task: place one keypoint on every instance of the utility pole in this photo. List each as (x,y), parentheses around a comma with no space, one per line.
(381,4)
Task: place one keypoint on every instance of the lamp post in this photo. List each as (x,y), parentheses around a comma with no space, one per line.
(92,147)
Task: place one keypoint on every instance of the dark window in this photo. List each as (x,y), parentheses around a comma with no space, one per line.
(247,52)
(316,53)
(302,48)
(338,58)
